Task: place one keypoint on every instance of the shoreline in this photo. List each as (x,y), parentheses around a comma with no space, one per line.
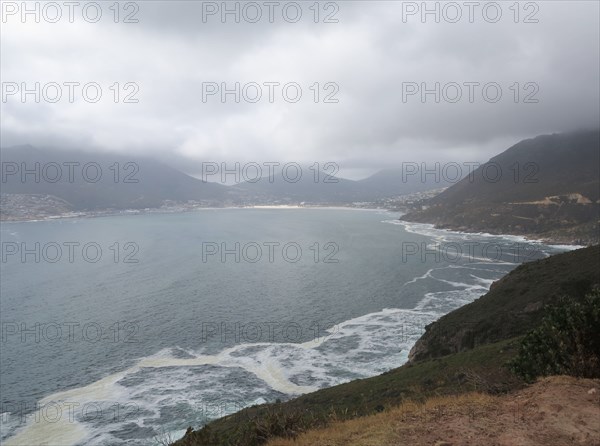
(129,212)
(558,242)
(525,237)
(519,237)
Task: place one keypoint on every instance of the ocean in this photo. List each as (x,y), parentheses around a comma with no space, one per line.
(128,329)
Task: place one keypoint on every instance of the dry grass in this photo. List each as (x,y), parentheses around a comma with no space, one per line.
(555,411)
(389,426)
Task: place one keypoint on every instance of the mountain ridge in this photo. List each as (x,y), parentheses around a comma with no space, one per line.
(548,188)
(138,183)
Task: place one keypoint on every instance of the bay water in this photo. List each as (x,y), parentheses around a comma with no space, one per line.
(128,329)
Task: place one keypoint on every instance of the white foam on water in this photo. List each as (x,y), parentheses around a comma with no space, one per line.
(567,247)
(429,230)
(9,422)
(486,283)
(288,368)
(427,275)
(41,429)
(61,432)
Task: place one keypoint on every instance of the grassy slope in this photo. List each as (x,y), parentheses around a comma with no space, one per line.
(514,304)
(479,368)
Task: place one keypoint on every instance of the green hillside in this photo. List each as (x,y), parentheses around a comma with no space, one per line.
(513,305)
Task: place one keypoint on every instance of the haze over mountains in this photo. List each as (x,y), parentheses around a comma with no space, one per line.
(138,183)
(547,186)
(146,183)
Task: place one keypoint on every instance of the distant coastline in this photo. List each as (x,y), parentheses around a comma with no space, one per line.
(116,213)
(556,240)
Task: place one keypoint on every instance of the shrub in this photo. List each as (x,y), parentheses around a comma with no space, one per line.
(567,342)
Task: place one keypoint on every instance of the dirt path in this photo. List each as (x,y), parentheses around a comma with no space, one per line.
(555,411)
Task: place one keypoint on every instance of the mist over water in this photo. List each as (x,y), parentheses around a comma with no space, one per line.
(185,334)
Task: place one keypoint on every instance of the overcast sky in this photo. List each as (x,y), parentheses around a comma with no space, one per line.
(366,58)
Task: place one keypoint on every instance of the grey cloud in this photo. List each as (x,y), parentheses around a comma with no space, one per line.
(369,54)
